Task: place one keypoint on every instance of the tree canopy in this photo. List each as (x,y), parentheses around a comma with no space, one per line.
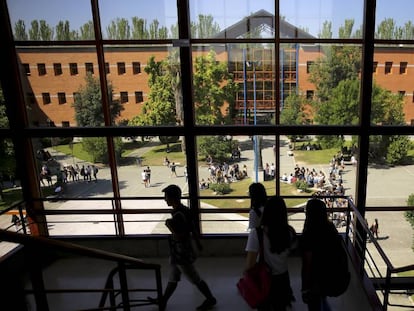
(88,103)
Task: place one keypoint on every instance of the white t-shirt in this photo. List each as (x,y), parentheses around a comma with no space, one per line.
(278,263)
(254,219)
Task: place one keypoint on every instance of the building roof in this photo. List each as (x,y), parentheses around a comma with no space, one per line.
(262,20)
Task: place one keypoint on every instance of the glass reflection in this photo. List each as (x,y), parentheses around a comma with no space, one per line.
(321,19)
(47,20)
(73,168)
(392,89)
(61,87)
(149,164)
(394,20)
(129,19)
(146,83)
(221,19)
(391,170)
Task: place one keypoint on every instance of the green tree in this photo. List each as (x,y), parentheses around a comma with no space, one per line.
(34,33)
(213,86)
(97,147)
(87,31)
(386,29)
(160,107)
(139,28)
(119,29)
(46,32)
(205,27)
(63,32)
(88,104)
(218,147)
(326,32)
(294,112)
(20,31)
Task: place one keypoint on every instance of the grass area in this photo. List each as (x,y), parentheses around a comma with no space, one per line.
(314,157)
(78,151)
(10,196)
(157,154)
(240,189)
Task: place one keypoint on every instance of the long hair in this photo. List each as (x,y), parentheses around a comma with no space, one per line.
(275,220)
(258,196)
(316,222)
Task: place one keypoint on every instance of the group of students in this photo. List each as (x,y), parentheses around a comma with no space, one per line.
(279,239)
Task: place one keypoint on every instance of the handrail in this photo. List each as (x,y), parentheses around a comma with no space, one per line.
(386,282)
(74,248)
(124,262)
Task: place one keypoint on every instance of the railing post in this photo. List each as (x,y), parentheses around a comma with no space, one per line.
(124,286)
(386,292)
(36,276)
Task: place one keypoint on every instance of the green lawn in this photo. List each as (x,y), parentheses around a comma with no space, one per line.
(10,196)
(240,189)
(313,157)
(78,151)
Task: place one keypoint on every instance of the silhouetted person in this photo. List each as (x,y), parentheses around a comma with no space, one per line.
(182,254)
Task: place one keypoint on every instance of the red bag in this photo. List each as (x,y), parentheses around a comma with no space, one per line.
(254,286)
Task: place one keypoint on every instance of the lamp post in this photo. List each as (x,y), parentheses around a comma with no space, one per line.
(255,137)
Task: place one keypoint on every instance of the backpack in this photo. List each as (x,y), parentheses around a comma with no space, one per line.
(333,272)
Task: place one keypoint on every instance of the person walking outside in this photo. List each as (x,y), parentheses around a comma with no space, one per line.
(182,254)
(279,238)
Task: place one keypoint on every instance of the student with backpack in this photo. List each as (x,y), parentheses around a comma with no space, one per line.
(324,260)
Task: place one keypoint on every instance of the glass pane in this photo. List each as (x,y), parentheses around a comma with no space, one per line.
(153,223)
(4,120)
(328,85)
(130,19)
(45,20)
(73,168)
(220,19)
(149,165)
(391,172)
(242,90)
(143,80)
(61,86)
(394,20)
(393,74)
(94,224)
(321,19)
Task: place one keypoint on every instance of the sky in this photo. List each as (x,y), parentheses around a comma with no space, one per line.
(308,14)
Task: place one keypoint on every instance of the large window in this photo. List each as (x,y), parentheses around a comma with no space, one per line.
(286,101)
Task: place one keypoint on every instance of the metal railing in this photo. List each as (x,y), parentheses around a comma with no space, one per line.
(34,247)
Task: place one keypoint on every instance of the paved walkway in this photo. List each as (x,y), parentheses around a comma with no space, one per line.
(386,186)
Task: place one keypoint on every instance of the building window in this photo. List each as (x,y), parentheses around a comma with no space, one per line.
(388,68)
(107,69)
(124,97)
(73,67)
(46,98)
(41,68)
(308,66)
(139,97)
(62,98)
(89,67)
(31,98)
(121,68)
(309,94)
(57,68)
(26,69)
(136,68)
(375,67)
(403,68)
(65,124)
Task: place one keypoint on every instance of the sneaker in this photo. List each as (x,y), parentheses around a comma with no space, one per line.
(207,304)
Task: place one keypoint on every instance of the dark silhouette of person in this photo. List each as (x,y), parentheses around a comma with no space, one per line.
(182,254)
